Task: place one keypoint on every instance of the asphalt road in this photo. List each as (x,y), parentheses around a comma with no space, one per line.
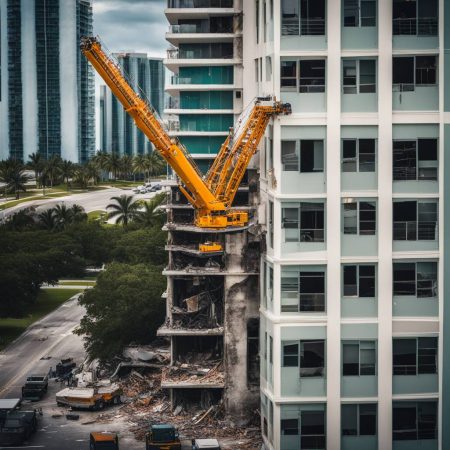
(90,201)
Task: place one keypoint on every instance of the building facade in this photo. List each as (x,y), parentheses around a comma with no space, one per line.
(205,92)
(353,322)
(117,130)
(47,102)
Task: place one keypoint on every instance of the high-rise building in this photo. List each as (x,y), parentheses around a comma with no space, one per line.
(46,86)
(354,318)
(118,132)
(206,59)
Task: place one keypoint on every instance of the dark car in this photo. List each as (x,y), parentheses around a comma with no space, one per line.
(17,427)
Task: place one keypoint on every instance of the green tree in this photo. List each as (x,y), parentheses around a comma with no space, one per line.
(67,170)
(124,307)
(113,164)
(12,173)
(139,166)
(22,220)
(150,216)
(36,163)
(47,219)
(52,169)
(125,209)
(154,164)
(126,166)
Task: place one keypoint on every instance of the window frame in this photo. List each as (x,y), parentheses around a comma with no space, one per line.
(359,18)
(415,24)
(358,281)
(358,414)
(302,233)
(357,158)
(302,356)
(411,87)
(300,23)
(363,345)
(296,164)
(417,281)
(355,88)
(359,221)
(416,405)
(416,369)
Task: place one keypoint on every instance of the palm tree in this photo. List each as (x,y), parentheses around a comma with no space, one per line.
(150,215)
(21,220)
(67,169)
(81,177)
(53,168)
(63,216)
(154,164)
(139,166)
(13,174)
(36,163)
(114,164)
(101,160)
(125,209)
(78,214)
(92,171)
(47,219)
(126,165)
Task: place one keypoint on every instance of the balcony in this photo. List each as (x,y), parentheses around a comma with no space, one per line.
(179,4)
(194,9)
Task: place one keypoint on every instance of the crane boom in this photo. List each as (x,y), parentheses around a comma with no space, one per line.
(211,197)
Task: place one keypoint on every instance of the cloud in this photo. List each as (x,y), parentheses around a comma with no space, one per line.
(132,25)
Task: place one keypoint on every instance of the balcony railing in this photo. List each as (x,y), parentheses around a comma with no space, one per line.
(415,231)
(200,3)
(181,80)
(291,26)
(422,26)
(193,28)
(190,54)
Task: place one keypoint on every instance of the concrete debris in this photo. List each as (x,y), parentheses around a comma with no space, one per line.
(144,403)
(193,374)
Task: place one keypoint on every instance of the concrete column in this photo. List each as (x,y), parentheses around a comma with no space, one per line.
(333,232)
(4,129)
(385,226)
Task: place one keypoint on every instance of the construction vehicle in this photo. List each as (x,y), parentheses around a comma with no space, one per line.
(35,387)
(95,398)
(162,437)
(210,247)
(64,368)
(211,195)
(16,426)
(103,441)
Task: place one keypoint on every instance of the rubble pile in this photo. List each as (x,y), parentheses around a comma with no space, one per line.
(211,372)
(145,403)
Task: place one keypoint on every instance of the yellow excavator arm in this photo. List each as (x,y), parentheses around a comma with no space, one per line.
(212,196)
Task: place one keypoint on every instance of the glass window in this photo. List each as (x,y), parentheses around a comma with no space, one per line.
(350,358)
(367,218)
(359,419)
(349,159)
(366,155)
(404,279)
(367,358)
(349,420)
(312,291)
(414,420)
(290,354)
(367,76)
(349,76)
(427,285)
(288,74)
(366,281)
(351,218)
(351,13)
(427,159)
(313,430)
(358,358)
(358,155)
(312,75)
(289,427)
(312,358)
(426,420)
(427,355)
(426,70)
(311,156)
(312,17)
(404,423)
(289,156)
(427,223)
(360,13)
(403,72)
(312,222)
(290,17)
(404,356)
(404,160)
(350,281)
(368,13)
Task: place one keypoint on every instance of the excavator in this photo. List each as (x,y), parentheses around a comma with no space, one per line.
(211,195)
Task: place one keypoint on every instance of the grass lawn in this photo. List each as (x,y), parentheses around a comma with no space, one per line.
(48,300)
(95,215)
(81,282)
(27,199)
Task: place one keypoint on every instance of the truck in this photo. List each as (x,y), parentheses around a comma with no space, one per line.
(35,387)
(205,444)
(103,440)
(16,426)
(93,398)
(162,437)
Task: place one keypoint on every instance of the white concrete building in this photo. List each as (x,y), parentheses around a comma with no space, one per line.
(352,197)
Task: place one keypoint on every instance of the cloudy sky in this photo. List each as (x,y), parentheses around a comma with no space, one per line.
(132,25)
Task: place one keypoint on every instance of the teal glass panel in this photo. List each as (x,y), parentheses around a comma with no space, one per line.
(206,100)
(203,122)
(205,75)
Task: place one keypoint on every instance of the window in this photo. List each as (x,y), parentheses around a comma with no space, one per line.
(358,358)
(304,223)
(359,76)
(412,71)
(302,291)
(268,68)
(366,211)
(359,281)
(313,430)
(358,155)
(305,156)
(270,293)
(290,354)
(312,358)
(256,70)
(416,279)
(360,13)
(257,21)
(312,75)
(415,17)
(415,356)
(271,215)
(289,427)
(303,17)
(415,160)
(414,421)
(288,74)
(415,221)
(270,349)
(359,419)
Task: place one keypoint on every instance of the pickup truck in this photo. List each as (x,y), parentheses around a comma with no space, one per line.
(16,426)
(95,398)
(35,387)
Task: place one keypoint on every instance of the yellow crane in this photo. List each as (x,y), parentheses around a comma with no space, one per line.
(212,195)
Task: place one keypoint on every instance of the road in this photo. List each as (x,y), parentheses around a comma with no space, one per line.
(90,201)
